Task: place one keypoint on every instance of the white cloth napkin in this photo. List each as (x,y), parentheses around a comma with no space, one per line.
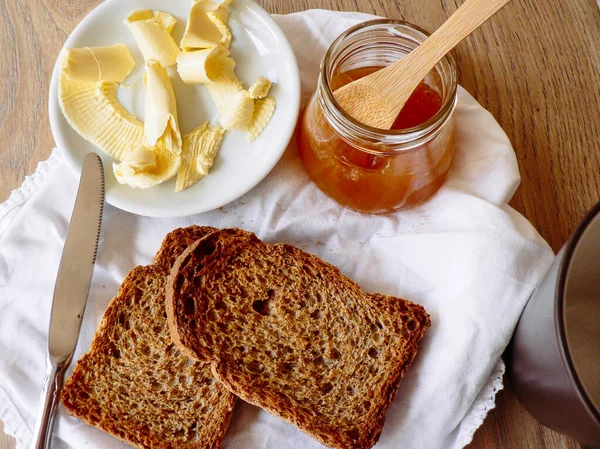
(465,255)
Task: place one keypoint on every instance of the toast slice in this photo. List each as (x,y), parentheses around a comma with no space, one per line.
(134,383)
(288,332)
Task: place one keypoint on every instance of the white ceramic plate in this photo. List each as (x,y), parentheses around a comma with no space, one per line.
(259,48)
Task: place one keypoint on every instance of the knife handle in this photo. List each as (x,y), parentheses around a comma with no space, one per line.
(49,399)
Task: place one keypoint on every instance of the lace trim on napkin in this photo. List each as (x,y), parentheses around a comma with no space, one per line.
(31,184)
(14,425)
(485,401)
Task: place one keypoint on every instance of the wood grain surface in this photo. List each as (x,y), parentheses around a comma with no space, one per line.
(535,66)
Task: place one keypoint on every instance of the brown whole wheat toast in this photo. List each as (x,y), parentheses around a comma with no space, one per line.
(134,383)
(288,332)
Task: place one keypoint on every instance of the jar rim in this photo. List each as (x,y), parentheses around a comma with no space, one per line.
(378,133)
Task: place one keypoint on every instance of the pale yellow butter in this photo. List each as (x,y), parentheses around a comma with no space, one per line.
(93,110)
(206,60)
(158,159)
(200,148)
(220,16)
(260,88)
(201,30)
(152,33)
(161,109)
(140,159)
(203,66)
(140,170)
(215,68)
(94,64)
(234,104)
(264,108)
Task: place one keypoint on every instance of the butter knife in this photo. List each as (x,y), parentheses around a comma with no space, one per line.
(71,292)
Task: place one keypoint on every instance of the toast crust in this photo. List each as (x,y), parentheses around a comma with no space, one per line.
(134,383)
(288,332)
(228,240)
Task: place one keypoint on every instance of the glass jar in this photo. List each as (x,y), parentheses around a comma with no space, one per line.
(367,169)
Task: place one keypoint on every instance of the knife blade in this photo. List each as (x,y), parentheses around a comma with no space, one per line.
(71,291)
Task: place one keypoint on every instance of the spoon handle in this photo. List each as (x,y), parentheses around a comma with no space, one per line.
(417,64)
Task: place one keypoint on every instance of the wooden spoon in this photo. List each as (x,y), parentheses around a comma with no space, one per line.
(376,99)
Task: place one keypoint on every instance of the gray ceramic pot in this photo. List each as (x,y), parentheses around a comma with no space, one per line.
(555,358)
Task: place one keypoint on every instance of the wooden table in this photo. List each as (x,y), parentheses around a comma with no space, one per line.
(535,66)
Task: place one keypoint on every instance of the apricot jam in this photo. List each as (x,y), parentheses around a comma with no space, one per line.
(378,171)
